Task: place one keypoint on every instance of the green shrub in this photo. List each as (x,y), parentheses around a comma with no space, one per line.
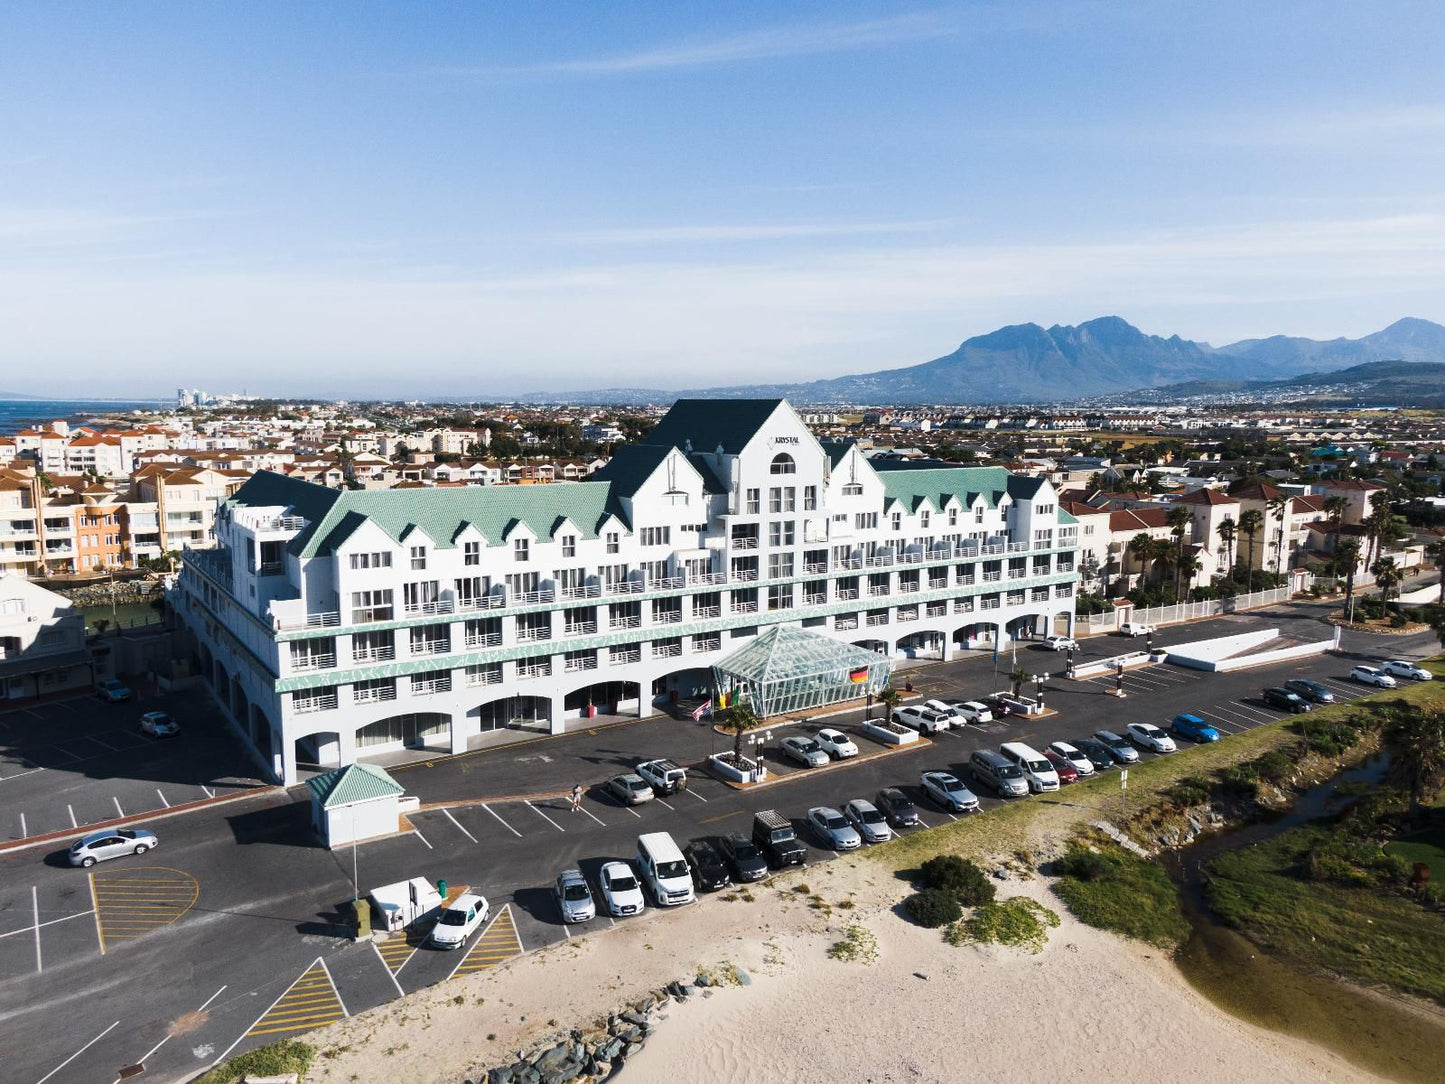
(1083,864)
(1240,779)
(275,1059)
(1123,893)
(933,907)
(1018,922)
(968,883)
(1191,790)
(1275,766)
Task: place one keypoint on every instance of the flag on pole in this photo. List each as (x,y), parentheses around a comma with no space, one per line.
(705,708)
(858,675)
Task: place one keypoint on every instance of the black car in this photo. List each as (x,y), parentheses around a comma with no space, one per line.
(709,871)
(895,806)
(1098,753)
(997,705)
(1285,700)
(744,857)
(1312,691)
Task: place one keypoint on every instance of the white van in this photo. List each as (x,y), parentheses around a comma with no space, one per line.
(1035,766)
(664,870)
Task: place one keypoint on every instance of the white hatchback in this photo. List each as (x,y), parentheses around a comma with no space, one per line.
(459,920)
(1405,668)
(835,743)
(621,891)
(1083,764)
(1371,675)
(1148,736)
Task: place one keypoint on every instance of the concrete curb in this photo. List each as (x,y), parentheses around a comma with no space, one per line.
(921,743)
(28,842)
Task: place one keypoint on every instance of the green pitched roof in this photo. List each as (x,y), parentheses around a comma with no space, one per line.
(706,423)
(910,486)
(441,513)
(354,783)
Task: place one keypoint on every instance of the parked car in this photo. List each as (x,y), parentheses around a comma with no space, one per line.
(949,711)
(1037,770)
(113,692)
(1407,669)
(662,868)
(1099,754)
(869,821)
(1148,736)
(1137,628)
(996,703)
(833,829)
(972,711)
(894,805)
(1194,728)
(1312,691)
(949,792)
(921,719)
(629,788)
(774,833)
(1285,700)
(1061,643)
(459,920)
(111,843)
(1371,675)
(1063,767)
(805,751)
(998,773)
(1120,747)
(157,724)
(663,776)
(744,857)
(835,743)
(574,898)
(621,890)
(709,871)
(1076,758)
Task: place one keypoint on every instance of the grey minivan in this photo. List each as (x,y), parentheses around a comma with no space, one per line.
(110,843)
(1002,775)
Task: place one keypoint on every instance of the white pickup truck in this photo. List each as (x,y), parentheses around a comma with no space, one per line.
(663,776)
(398,905)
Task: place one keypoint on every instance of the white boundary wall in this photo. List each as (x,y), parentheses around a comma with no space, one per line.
(1221,654)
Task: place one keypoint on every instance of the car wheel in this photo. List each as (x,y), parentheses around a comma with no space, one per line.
(88,861)
(141,848)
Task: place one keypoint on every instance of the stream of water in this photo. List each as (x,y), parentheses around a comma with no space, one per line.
(1386,1035)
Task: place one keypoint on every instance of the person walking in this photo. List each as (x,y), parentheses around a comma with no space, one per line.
(576,797)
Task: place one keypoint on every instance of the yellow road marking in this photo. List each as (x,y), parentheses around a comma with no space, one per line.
(396,951)
(131,902)
(309,1002)
(499,941)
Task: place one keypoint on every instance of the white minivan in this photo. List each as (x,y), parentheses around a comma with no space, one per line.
(1035,766)
(664,870)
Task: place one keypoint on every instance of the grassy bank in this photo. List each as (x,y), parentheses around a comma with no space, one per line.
(275,1059)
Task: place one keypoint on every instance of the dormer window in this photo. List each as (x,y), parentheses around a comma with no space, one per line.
(418,557)
(896,521)
(521,549)
(783,464)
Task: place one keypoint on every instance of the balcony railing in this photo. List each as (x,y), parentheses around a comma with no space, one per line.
(482,602)
(815,600)
(1018,547)
(815,569)
(1043,544)
(877,619)
(666,583)
(877,591)
(745,575)
(848,562)
(590,590)
(745,542)
(846,594)
(620,655)
(666,651)
(910,614)
(312,662)
(1017,574)
(704,612)
(431,647)
(707,643)
(1064,566)
(963,605)
(373,654)
(306,705)
(624,622)
(879,560)
(937,609)
(488,639)
(989,604)
(744,607)
(532,598)
(910,558)
(992,577)
(527,635)
(440,606)
(625,587)
(667,617)
(909,586)
(487,675)
(371,696)
(842,623)
(581,628)
(588,662)
(429,688)
(710,577)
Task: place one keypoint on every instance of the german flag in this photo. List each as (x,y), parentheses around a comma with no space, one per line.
(858,676)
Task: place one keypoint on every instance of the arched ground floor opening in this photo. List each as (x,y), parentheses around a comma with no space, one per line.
(413,730)
(319,751)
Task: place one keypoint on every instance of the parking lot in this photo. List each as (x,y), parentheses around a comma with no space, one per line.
(69,763)
(237,919)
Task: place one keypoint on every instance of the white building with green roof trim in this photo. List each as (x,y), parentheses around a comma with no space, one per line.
(337,625)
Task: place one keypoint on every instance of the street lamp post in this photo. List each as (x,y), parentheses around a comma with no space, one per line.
(1039,680)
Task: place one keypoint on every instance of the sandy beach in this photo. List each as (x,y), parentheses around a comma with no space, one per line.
(1091,1006)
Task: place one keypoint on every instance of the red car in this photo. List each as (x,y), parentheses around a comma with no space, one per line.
(1067,772)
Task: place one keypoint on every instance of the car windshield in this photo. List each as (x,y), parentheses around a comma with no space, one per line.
(1040,766)
(950,784)
(575,891)
(1008,771)
(622,883)
(745,849)
(672,869)
(835,821)
(807,745)
(870,816)
(454,918)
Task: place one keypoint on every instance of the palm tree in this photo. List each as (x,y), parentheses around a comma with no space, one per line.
(1347,553)
(1250,523)
(1179,519)
(1189,565)
(1228,530)
(1335,509)
(1415,741)
(889,698)
(1435,618)
(1279,505)
(1436,550)
(1377,530)
(1141,548)
(1018,675)
(1387,577)
(738,718)
(1164,557)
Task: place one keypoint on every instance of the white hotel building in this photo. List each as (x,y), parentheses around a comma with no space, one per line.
(340,624)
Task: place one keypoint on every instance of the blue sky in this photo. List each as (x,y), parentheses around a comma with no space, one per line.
(408,199)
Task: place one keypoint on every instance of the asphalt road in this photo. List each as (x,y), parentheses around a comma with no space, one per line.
(235,938)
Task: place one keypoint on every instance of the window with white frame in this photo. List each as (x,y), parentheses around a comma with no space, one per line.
(418,557)
(569,545)
(471,553)
(953,517)
(896,521)
(978,514)
(810,498)
(371,560)
(852,489)
(613,538)
(865,521)
(783,464)
(923,519)
(656,536)
(754,502)
(781,532)
(521,549)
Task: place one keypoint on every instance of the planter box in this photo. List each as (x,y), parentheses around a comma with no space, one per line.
(888,733)
(1023,705)
(721,763)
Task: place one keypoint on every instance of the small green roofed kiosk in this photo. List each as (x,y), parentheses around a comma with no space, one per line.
(790,669)
(359,801)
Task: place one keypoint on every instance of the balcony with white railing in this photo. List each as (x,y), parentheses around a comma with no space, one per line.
(878,591)
(963,605)
(431,686)
(909,613)
(625,587)
(846,594)
(909,586)
(528,635)
(482,602)
(879,560)
(666,583)
(848,563)
(429,609)
(815,568)
(581,628)
(374,654)
(910,557)
(667,617)
(877,619)
(423,648)
(703,613)
(591,590)
(1018,547)
(534,598)
(842,624)
(745,575)
(937,609)
(305,705)
(712,642)
(624,622)
(1043,544)
(485,675)
(622,655)
(706,578)
(1017,574)
(989,604)
(992,577)
(1064,566)
(302,663)
(815,600)
(576,665)
(667,650)
(373,696)
(744,607)
(744,542)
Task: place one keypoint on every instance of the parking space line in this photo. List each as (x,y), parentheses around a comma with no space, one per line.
(459,825)
(695,794)
(669,805)
(24,831)
(1231,726)
(209,792)
(142,1059)
(79,1052)
(35,906)
(544,816)
(422,838)
(118,809)
(163,798)
(1250,720)
(71,811)
(100,741)
(633,811)
(47,922)
(17,775)
(566,932)
(592,815)
(1269,716)
(95,910)
(505,825)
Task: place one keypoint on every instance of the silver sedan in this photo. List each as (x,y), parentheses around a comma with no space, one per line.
(574,898)
(870,823)
(805,751)
(833,828)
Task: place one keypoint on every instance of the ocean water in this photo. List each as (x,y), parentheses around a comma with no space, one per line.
(16,414)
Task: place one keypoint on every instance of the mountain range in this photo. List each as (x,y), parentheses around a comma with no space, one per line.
(1027,363)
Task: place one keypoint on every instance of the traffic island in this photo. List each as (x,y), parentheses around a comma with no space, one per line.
(773,776)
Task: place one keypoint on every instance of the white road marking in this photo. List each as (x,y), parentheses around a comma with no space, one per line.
(1270,715)
(390,973)
(566,932)
(285,990)
(23,830)
(98,741)
(118,809)
(35,906)
(152,1050)
(17,775)
(209,792)
(81,1051)
(633,811)
(459,825)
(422,838)
(95,910)
(505,825)
(669,805)
(593,816)
(1231,726)
(163,798)
(544,816)
(1249,721)
(47,922)
(334,990)
(71,811)
(696,795)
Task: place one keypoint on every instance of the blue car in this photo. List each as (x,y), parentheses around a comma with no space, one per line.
(1194,728)
(113,691)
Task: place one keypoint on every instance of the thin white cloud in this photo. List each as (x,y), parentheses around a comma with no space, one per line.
(744,232)
(768,44)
